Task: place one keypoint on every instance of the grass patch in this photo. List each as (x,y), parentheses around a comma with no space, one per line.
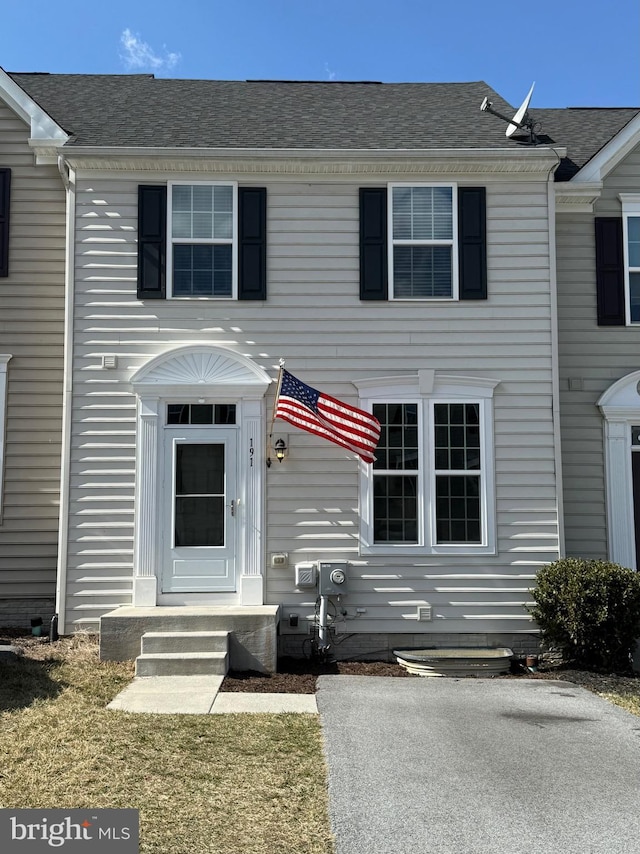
(203,783)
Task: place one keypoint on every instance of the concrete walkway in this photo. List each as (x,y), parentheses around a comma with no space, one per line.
(199,695)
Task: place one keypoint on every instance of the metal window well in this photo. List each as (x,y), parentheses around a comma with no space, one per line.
(455,662)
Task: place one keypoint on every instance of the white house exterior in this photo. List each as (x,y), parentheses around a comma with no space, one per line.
(32,294)
(403,265)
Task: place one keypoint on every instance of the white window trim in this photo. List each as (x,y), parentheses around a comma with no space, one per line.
(620,406)
(204,241)
(630,208)
(4,361)
(455,281)
(427,387)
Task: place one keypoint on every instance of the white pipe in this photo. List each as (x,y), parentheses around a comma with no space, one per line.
(68,178)
(324,623)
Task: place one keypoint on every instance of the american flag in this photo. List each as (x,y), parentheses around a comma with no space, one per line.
(309,409)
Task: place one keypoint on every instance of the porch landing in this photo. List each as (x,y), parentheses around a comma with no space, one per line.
(253,631)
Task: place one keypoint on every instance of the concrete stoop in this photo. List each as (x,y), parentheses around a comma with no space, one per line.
(198,640)
(183,654)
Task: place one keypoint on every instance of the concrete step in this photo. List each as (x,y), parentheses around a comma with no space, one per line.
(181,663)
(184,642)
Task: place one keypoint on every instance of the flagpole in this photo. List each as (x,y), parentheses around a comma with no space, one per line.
(273,411)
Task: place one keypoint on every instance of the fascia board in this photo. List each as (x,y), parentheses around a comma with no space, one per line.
(611,154)
(42,125)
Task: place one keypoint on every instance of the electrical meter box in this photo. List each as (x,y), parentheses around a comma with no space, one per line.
(333,577)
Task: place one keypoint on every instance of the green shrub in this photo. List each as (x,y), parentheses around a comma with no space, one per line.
(590,611)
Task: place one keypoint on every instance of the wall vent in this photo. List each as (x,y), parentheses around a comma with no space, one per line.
(424,613)
(306,574)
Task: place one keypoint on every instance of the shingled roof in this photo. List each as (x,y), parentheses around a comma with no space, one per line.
(144,111)
(140,110)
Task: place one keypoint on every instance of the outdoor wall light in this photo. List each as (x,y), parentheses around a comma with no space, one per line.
(280,449)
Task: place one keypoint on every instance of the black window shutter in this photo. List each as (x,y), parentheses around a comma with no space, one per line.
(374,273)
(472,242)
(152,241)
(252,243)
(5,193)
(610,271)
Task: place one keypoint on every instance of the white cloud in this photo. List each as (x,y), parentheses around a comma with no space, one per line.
(139,55)
(331,75)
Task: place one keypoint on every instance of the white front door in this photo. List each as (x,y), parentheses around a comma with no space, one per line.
(199,510)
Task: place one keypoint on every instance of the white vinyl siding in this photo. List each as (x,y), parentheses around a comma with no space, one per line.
(313,316)
(32,320)
(592,358)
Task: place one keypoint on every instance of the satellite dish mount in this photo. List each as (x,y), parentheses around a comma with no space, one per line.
(521,119)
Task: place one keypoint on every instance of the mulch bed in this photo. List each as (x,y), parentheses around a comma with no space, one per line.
(298,675)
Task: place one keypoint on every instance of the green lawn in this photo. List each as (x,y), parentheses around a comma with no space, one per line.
(254,784)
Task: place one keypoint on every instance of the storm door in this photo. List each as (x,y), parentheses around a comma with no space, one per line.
(200,509)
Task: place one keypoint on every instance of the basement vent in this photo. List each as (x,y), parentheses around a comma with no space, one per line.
(424,612)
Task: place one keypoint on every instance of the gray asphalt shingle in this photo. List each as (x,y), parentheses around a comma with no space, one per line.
(142,111)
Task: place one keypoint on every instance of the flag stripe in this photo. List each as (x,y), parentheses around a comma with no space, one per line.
(325,416)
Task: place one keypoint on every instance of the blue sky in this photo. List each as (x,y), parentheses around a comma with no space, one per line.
(578,53)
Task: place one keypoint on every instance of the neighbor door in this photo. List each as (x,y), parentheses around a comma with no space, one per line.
(200,505)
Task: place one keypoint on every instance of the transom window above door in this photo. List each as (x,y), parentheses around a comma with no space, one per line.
(201,413)
(203,235)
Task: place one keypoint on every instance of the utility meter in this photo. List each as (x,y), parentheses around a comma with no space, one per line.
(333,577)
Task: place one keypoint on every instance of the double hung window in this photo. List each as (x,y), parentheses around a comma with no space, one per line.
(430,489)
(202,244)
(422,260)
(631,238)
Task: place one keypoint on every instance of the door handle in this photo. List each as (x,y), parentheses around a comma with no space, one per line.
(233,506)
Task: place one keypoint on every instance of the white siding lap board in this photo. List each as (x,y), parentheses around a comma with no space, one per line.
(313,317)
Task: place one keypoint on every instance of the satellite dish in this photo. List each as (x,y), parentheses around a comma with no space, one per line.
(518,120)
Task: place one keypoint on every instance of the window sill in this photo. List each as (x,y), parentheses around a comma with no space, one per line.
(427,551)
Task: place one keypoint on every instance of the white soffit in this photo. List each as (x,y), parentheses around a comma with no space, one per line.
(43,127)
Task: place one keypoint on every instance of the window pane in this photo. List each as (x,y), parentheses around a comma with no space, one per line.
(178,413)
(422,272)
(200,469)
(398,445)
(458,509)
(422,213)
(225,413)
(199,521)
(201,413)
(202,211)
(202,270)
(457,436)
(395,506)
(202,198)
(202,226)
(181,197)
(634,294)
(181,224)
(633,225)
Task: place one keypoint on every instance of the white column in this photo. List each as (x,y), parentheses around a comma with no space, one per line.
(619,493)
(146,509)
(252,466)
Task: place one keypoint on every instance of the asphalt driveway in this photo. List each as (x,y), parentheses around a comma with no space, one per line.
(474,766)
